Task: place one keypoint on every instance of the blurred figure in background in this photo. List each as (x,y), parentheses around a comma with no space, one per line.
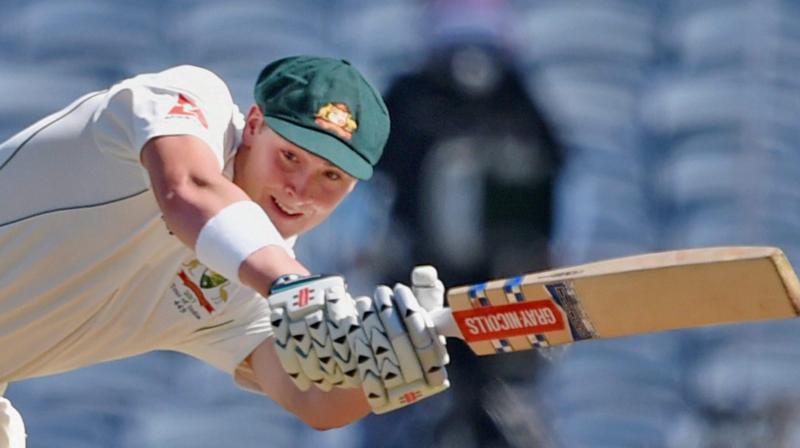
(474,163)
(473,158)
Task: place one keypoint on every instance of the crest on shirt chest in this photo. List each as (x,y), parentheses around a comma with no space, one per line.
(199,291)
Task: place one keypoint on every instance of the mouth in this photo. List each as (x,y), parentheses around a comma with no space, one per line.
(285,209)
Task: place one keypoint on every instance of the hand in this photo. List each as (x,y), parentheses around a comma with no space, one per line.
(401,358)
(311,317)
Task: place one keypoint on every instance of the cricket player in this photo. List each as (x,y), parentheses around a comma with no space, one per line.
(155,215)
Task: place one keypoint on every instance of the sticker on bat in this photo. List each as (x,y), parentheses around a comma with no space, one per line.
(505,321)
(579,324)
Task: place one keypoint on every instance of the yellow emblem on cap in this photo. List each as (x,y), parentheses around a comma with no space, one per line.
(336,117)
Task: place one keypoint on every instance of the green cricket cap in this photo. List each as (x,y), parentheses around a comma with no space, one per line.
(325,106)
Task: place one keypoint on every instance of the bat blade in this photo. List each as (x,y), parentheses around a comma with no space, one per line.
(623,296)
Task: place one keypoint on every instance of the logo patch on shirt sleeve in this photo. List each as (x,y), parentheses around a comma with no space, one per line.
(186,108)
(199,291)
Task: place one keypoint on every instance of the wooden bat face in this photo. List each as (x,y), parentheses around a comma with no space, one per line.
(625,296)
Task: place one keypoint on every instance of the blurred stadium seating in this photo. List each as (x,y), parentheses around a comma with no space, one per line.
(680,123)
(699,158)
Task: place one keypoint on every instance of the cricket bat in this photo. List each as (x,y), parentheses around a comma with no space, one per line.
(622,297)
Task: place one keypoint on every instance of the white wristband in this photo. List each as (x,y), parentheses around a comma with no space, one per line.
(235,232)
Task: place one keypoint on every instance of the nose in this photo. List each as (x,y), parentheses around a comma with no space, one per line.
(298,186)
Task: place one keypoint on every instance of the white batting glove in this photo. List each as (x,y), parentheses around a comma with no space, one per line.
(311,317)
(401,358)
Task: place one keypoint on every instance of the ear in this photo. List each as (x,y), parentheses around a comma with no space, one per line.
(254,120)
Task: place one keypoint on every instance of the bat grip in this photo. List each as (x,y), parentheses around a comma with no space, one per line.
(444,323)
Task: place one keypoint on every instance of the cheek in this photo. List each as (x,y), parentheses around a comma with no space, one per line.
(263,172)
(329,199)
(254,172)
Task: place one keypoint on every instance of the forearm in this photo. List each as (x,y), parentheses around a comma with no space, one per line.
(261,268)
(318,409)
(188,194)
(334,409)
(187,206)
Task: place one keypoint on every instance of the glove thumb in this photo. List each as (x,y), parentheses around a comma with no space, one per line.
(427,287)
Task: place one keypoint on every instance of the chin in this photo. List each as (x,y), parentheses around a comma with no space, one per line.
(285,233)
(290,232)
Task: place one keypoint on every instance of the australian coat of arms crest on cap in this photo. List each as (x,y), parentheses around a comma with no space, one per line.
(336,117)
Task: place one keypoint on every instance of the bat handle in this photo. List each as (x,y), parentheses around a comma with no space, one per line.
(444,323)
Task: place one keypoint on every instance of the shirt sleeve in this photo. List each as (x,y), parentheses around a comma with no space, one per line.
(184,100)
(235,333)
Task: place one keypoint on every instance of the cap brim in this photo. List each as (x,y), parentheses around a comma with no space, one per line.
(324,145)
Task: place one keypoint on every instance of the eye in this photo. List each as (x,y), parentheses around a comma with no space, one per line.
(333,175)
(290,156)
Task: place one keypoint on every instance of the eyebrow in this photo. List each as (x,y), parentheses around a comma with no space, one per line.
(325,161)
(328,163)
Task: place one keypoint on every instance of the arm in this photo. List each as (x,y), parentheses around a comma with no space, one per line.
(190,190)
(318,409)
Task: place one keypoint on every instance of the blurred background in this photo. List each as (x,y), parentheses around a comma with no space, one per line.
(526,134)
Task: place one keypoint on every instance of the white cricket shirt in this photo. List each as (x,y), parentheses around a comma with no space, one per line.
(88,269)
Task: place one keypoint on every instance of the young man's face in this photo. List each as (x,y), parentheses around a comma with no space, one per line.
(296,188)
